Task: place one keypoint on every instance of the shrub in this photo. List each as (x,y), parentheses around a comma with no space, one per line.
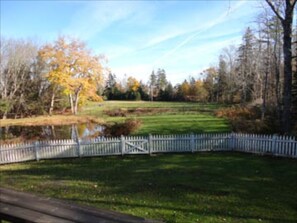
(248,119)
(116,113)
(126,128)
(239,112)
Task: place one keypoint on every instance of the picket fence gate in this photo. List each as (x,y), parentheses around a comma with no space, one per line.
(259,144)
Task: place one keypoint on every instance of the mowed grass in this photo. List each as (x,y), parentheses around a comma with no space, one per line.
(201,187)
(177,118)
(166,118)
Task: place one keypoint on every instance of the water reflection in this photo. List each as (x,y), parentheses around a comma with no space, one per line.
(78,131)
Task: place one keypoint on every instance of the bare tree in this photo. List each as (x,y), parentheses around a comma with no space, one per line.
(17,57)
(285,15)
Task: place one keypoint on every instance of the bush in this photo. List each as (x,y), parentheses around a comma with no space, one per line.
(116,113)
(248,119)
(126,128)
(235,112)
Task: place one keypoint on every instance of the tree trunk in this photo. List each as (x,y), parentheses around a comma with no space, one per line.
(264,95)
(52,104)
(75,104)
(287,21)
(5,115)
(75,99)
(277,58)
(53,131)
(287,96)
(71,103)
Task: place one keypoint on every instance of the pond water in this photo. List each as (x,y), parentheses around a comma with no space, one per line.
(77,131)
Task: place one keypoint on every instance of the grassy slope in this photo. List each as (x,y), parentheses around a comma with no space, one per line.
(204,187)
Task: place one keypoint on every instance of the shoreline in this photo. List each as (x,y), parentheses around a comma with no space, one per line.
(51,120)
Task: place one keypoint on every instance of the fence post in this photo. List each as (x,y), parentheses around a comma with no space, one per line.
(36,148)
(232,142)
(274,138)
(150,143)
(79,153)
(192,142)
(122,145)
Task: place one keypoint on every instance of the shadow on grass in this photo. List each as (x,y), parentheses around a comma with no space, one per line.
(186,210)
(232,185)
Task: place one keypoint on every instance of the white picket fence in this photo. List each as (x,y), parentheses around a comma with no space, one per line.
(261,144)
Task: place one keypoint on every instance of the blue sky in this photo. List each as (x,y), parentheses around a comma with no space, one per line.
(182,37)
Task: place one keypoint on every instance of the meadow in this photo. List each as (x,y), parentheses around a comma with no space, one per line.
(161,117)
(201,187)
(155,117)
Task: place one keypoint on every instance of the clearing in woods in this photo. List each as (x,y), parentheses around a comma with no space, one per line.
(161,117)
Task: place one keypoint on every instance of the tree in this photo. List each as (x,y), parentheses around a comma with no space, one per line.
(229,55)
(110,87)
(185,89)
(200,93)
(133,87)
(168,94)
(144,91)
(161,80)
(270,38)
(246,70)
(133,84)
(72,67)
(152,84)
(210,83)
(285,15)
(222,80)
(294,86)
(17,75)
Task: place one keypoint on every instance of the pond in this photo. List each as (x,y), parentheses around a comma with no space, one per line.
(27,133)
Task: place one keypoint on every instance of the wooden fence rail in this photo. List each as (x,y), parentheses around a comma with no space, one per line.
(52,149)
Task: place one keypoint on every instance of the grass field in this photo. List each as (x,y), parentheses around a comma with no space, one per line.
(163,118)
(204,187)
(172,117)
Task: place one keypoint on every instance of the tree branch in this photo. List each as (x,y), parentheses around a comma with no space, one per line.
(293,5)
(269,2)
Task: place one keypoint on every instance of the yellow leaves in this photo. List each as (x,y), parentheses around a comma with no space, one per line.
(185,88)
(198,84)
(72,67)
(133,84)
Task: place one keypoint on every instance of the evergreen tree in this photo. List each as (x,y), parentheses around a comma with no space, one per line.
(110,87)
(246,66)
(222,80)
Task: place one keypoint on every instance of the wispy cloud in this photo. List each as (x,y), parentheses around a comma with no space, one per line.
(189,61)
(222,18)
(97,16)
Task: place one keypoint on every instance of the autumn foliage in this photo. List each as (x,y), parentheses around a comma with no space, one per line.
(72,68)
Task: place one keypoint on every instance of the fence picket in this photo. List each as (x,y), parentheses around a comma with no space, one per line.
(262,144)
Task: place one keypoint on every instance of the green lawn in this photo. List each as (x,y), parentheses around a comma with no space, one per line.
(179,118)
(201,187)
(155,117)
